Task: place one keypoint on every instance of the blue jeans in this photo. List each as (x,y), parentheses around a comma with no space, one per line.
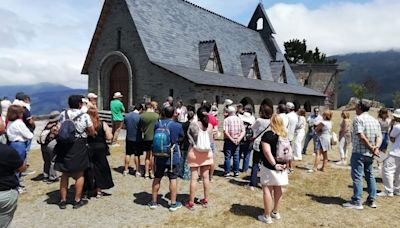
(231,149)
(361,165)
(310,135)
(255,168)
(21,148)
(245,153)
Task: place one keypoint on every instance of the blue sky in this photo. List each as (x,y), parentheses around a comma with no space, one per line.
(47,40)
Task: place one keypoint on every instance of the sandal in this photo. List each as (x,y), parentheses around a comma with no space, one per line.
(99,195)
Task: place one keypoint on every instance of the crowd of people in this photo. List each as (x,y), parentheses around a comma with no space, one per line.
(179,142)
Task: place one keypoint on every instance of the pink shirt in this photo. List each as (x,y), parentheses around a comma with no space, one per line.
(234,126)
(212,120)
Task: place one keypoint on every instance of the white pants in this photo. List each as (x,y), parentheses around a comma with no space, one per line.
(391,174)
(298,140)
(343,148)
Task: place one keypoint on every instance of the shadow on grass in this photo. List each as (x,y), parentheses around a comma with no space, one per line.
(39,177)
(239,182)
(120,169)
(246,210)
(327,199)
(143,198)
(180,197)
(54,196)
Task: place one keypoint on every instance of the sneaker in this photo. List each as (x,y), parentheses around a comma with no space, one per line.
(189,205)
(21,190)
(384,194)
(204,202)
(152,205)
(200,180)
(62,205)
(137,174)
(275,215)
(175,206)
(99,195)
(211,180)
(227,175)
(79,204)
(250,187)
(264,219)
(353,205)
(52,181)
(125,172)
(339,163)
(235,174)
(146,176)
(371,204)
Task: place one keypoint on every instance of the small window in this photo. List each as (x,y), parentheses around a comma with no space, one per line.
(214,63)
(217,99)
(119,34)
(306,82)
(254,72)
(171,92)
(260,24)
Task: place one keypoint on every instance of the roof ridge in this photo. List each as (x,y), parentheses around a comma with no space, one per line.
(209,11)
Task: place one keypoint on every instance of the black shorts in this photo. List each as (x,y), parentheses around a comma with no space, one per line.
(147,145)
(133,148)
(160,170)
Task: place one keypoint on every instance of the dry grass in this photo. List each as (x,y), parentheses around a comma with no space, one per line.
(310,200)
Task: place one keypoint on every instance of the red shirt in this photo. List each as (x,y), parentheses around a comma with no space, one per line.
(212,120)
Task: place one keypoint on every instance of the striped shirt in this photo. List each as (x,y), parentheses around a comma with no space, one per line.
(234,126)
(370,127)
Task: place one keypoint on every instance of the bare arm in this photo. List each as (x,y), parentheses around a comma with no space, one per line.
(108,132)
(2,127)
(22,168)
(319,127)
(266,149)
(91,131)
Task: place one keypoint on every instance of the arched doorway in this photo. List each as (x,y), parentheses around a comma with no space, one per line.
(283,101)
(119,82)
(268,102)
(115,74)
(248,102)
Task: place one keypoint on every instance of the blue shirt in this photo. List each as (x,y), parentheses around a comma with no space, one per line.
(133,132)
(176,132)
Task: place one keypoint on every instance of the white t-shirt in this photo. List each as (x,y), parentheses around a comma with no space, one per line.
(395,133)
(285,119)
(18,131)
(293,118)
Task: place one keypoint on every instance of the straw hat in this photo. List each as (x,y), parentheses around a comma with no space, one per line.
(396,113)
(54,116)
(91,95)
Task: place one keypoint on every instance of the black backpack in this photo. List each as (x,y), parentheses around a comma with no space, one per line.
(67,132)
(249,133)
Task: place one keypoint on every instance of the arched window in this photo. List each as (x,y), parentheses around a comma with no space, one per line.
(260,24)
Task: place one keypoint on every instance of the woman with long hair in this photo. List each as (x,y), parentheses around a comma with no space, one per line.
(384,121)
(323,144)
(274,174)
(98,151)
(18,135)
(200,155)
(259,128)
(185,170)
(344,137)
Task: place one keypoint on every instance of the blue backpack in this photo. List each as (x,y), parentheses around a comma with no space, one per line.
(67,131)
(162,141)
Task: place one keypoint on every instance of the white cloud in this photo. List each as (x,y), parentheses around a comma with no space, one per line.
(341,27)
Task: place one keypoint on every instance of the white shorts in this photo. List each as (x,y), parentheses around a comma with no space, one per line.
(272,177)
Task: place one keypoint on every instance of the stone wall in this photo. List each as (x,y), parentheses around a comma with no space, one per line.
(320,77)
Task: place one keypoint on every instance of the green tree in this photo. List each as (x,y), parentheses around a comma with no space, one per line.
(296,52)
(358,90)
(396,99)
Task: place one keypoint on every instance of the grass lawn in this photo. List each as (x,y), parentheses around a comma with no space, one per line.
(310,200)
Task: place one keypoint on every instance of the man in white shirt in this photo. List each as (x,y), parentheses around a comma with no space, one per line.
(312,121)
(282,113)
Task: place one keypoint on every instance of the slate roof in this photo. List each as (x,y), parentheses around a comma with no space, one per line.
(208,78)
(171,32)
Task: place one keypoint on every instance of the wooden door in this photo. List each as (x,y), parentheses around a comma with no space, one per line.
(119,82)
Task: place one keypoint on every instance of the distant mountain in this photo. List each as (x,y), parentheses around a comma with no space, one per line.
(45,97)
(384,67)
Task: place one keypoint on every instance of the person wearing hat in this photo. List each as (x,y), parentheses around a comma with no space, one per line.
(391,166)
(92,97)
(47,143)
(245,150)
(227,103)
(234,132)
(117,117)
(293,119)
(367,138)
